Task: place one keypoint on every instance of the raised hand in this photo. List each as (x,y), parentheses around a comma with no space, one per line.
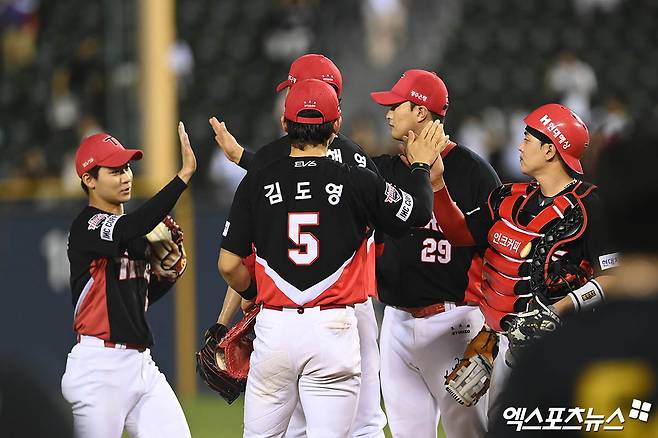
(226,141)
(426,146)
(188,166)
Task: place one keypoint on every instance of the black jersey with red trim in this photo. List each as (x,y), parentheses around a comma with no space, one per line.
(341,149)
(593,246)
(110,281)
(421,267)
(308,218)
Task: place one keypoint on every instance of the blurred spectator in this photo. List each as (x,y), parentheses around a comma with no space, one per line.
(509,167)
(494,120)
(473,134)
(181,60)
(587,7)
(19,27)
(293,35)
(70,181)
(64,108)
(609,122)
(34,164)
(385,25)
(226,177)
(574,82)
(364,133)
(612,119)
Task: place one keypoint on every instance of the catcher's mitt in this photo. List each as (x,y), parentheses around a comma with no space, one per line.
(223,362)
(470,378)
(167,255)
(525,328)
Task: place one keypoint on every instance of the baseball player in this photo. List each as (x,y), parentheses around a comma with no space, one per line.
(111,380)
(425,282)
(308,218)
(608,366)
(370,419)
(546,252)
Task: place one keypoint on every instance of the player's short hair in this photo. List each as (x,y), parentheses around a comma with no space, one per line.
(94,174)
(435,116)
(544,139)
(303,134)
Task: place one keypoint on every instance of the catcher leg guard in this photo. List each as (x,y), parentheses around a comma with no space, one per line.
(470,378)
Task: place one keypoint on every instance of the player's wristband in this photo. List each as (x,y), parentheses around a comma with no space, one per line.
(420,166)
(587,296)
(250,292)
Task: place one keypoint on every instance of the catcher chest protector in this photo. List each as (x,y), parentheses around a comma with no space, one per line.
(522,261)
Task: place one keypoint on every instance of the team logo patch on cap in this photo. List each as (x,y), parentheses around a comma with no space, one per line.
(392,194)
(418,95)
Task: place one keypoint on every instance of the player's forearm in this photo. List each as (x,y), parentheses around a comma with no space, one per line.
(232,302)
(586,297)
(245,159)
(451,219)
(148,215)
(234,272)
(421,191)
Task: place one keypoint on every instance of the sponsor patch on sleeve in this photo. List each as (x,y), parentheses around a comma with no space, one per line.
(226,227)
(96,221)
(407,206)
(107,229)
(608,261)
(392,194)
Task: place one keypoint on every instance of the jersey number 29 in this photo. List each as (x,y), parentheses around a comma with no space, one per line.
(309,250)
(435,251)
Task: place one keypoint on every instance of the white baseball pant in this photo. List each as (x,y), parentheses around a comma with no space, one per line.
(370,420)
(416,355)
(313,358)
(115,388)
(499,376)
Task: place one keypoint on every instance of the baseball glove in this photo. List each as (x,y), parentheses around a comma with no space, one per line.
(223,362)
(470,378)
(167,255)
(523,329)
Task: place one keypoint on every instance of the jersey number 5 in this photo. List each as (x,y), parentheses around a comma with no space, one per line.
(310,245)
(435,251)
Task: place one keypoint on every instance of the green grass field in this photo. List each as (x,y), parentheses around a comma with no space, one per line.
(211,417)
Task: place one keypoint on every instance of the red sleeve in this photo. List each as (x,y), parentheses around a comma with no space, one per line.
(451,219)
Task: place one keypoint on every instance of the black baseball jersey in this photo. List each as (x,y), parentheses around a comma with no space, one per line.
(110,279)
(341,149)
(421,267)
(592,246)
(308,218)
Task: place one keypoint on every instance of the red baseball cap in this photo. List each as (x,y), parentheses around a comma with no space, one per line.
(102,150)
(313,66)
(564,129)
(312,94)
(418,86)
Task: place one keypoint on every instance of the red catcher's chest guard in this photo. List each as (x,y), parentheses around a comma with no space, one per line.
(517,261)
